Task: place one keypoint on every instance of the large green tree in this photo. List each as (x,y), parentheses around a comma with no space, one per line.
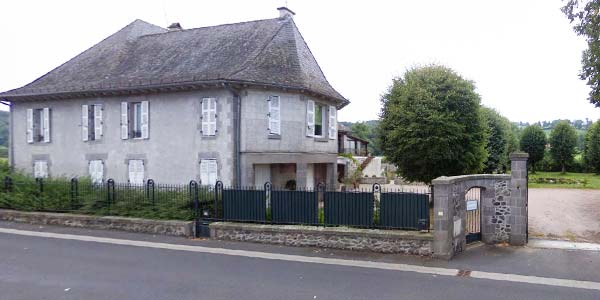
(431,124)
(586,22)
(499,133)
(533,141)
(563,140)
(592,148)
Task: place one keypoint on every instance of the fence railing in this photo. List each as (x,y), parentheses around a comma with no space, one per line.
(371,208)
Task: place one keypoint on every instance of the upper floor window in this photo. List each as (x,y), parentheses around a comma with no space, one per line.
(274,115)
(209,117)
(316,117)
(91,122)
(38,125)
(40,169)
(135,120)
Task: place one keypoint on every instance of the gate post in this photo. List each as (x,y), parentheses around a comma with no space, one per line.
(444,218)
(518,201)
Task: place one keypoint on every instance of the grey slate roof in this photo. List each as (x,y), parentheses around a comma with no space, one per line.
(268,52)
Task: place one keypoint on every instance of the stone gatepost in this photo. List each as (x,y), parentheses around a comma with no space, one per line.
(444,216)
(518,200)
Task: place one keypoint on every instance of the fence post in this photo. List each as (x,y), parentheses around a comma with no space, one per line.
(150,191)
(376,203)
(268,188)
(218,193)
(193,192)
(8,184)
(74,192)
(110,188)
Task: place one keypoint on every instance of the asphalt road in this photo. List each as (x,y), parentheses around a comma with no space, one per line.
(48,268)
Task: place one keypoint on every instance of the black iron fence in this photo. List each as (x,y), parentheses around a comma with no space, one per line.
(371,208)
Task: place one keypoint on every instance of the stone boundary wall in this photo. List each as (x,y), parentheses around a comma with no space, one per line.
(173,228)
(375,240)
(372,180)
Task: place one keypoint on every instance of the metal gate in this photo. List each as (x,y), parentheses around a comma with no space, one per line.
(473,199)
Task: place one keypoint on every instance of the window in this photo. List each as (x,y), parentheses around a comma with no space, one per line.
(40,169)
(209,117)
(318,120)
(136,171)
(96,170)
(208,172)
(38,125)
(135,120)
(274,115)
(91,122)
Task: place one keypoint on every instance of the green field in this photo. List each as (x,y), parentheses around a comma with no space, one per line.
(564,181)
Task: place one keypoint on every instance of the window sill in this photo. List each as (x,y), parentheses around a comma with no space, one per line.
(321,139)
(208,137)
(274,136)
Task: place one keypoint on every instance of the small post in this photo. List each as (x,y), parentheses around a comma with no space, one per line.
(40,183)
(218,193)
(150,191)
(110,187)
(268,187)
(376,198)
(74,192)
(193,192)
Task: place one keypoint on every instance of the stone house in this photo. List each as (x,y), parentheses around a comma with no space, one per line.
(243,103)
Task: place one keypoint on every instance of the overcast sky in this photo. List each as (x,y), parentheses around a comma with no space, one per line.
(522,55)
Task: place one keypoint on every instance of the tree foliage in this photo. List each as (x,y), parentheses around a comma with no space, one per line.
(592,148)
(586,22)
(431,124)
(533,141)
(500,141)
(563,140)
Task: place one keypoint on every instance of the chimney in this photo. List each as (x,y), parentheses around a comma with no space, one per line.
(285,12)
(174,27)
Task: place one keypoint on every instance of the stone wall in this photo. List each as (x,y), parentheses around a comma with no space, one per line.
(384,241)
(503,208)
(173,228)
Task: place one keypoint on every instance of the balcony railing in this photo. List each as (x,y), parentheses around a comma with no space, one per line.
(354,151)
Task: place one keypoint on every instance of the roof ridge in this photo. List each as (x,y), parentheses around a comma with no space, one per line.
(248,62)
(207,27)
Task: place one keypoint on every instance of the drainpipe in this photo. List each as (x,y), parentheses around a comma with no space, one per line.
(237,129)
(11,153)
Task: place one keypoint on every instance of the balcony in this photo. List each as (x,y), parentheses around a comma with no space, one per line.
(354,151)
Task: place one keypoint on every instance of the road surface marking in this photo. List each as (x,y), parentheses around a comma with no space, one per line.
(566,245)
(318,260)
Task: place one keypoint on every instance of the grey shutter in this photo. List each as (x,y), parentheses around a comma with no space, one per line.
(145,120)
(332,122)
(274,115)
(310,118)
(124,120)
(98,123)
(85,133)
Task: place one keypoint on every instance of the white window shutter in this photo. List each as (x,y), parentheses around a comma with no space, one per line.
(145,120)
(46,125)
(44,169)
(332,122)
(96,170)
(36,169)
(98,123)
(212,172)
(40,169)
(140,171)
(124,120)
(310,118)
(29,125)
(209,116)
(204,172)
(85,123)
(136,171)
(274,115)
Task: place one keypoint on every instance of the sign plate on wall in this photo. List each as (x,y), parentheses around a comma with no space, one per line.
(457,227)
(472,205)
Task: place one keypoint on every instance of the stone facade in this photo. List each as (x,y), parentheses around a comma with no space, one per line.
(383,241)
(503,208)
(173,228)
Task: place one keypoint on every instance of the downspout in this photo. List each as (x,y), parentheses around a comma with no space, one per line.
(237,129)
(11,153)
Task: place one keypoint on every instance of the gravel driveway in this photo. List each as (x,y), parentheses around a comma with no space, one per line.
(568,214)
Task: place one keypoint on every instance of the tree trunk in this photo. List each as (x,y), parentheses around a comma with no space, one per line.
(563,169)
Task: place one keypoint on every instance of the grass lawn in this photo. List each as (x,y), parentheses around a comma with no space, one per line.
(564,181)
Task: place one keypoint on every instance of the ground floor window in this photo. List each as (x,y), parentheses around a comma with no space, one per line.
(96,171)
(208,172)
(40,169)
(136,171)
